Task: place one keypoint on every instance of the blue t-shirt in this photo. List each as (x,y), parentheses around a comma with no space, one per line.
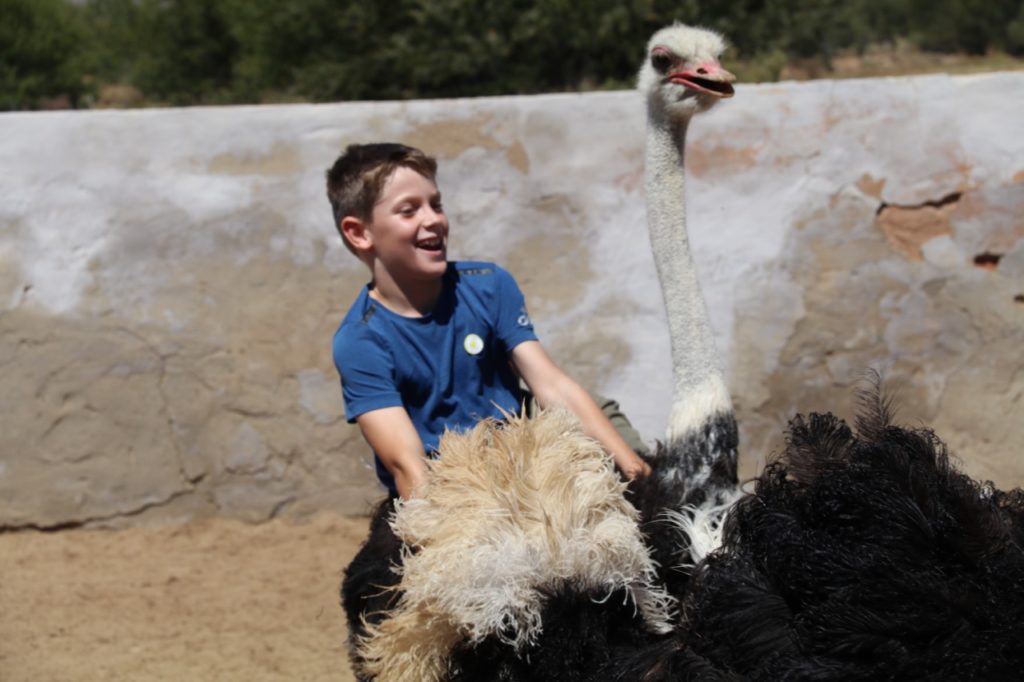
(449,368)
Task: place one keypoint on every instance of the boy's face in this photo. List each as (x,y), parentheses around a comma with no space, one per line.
(409,228)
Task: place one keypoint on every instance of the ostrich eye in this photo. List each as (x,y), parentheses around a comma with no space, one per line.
(660,61)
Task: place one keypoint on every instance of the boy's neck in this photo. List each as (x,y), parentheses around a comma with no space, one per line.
(408,299)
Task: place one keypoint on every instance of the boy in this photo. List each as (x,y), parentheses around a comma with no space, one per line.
(430,344)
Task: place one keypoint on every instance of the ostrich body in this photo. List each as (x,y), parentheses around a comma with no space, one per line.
(862,554)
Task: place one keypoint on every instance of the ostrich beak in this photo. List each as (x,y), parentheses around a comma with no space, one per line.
(708,77)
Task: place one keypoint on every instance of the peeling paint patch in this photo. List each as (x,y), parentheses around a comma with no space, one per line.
(704,159)
(1019,177)
(449,138)
(871,186)
(518,158)
(282,159)
(907,228)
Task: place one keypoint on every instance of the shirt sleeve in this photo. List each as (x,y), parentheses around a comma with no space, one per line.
(367,372)
(513,324)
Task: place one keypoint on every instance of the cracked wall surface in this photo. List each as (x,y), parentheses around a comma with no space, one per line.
(904,234)
(170,280)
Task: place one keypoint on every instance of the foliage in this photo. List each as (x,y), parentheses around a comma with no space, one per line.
(218,51)
(40,53)
(973,26)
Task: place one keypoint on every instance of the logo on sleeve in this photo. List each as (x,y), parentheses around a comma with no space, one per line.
(473,344)
(524,319)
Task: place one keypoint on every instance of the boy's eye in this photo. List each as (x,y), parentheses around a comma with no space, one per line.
(437,207)
(407,211)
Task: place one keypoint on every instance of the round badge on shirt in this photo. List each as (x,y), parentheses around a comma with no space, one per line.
(473,344)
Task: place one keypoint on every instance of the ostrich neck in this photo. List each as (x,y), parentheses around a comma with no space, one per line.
(699,392)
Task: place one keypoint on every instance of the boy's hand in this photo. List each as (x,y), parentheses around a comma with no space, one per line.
(635,467)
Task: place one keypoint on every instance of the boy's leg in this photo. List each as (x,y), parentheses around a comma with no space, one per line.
(611,409)
(620,421)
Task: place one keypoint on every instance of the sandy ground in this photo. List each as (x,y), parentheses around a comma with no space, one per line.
(208,600)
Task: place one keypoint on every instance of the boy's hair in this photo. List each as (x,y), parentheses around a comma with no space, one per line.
(355,181)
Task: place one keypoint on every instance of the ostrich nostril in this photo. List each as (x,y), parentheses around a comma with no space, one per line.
(702,71)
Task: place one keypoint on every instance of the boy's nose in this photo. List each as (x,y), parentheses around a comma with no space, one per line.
(431,217)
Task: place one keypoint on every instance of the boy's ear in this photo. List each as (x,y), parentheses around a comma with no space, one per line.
(356,232)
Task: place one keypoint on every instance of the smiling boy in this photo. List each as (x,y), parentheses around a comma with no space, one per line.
(431,344)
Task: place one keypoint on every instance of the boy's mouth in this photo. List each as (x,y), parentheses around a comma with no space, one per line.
(430,244)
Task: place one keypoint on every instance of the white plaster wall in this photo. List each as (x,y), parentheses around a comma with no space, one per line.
(170,279)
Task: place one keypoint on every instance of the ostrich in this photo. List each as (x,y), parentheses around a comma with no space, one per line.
(613,598)
(859,555)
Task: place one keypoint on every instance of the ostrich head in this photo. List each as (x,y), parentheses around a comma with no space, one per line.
(681,74)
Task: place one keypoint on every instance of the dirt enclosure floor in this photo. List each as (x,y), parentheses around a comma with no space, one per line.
(208,600)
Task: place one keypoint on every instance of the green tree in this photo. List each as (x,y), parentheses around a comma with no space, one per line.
(41,53)
(118,29)
(218,51)
(1015,33)
(972,26)
(188,53)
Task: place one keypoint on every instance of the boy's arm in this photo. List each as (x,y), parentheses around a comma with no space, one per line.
(552,386)
(391,434)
